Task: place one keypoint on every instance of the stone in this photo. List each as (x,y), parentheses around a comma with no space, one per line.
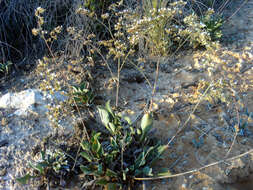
(3,171)
(29,101)
(22,99)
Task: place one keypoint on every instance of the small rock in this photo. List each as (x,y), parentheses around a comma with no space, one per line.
(3,171)
(4,121)
(29,101)
(22,99)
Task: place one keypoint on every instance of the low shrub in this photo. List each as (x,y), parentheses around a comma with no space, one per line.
(112,157)
(115,157)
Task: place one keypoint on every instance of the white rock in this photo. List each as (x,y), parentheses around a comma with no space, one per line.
(5,100)
(22,112)
(22,99)
(31,100)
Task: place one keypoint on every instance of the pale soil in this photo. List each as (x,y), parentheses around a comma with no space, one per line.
(177,76)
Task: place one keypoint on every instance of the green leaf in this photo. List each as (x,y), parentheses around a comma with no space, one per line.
(95,136)
(83,86)
(104,115)
(144,157)
(164,172)
(137,172)
(128,139)
(43,155)
(114,143)
(159,150)
(100,169)
(39,167)
(86,146)
(124,176)
(110,173)
(138,131)
(150,153)
(24,180)
(125,171)
(96,146)
(87,170)
(112,186)
(146,125)
(88,157)
(108,158)
(140,161)
(131,168)
(75,88)
(147,171)
(102,181)
(101,151)
(109,109)
(128,120)
(112,128)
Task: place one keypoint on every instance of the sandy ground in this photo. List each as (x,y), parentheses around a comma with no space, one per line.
(206,138)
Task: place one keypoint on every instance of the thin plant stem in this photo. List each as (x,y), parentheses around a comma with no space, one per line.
(107,64)
(141,73)
(85,134)
(154,87)
(236,130)
(195,170)
(188,119)
(117,85)
(236,10)
(120,66)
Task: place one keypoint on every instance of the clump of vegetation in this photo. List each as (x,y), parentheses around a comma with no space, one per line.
(115,157)
(167,29)
(17,44)
(83,95)
(52,167)
(213,24)
(97,6)
(5,67)
(112,157)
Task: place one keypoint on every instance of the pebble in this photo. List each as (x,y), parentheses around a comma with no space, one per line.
(3,171)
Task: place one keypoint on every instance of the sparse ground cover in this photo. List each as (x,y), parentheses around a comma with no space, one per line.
(198,92)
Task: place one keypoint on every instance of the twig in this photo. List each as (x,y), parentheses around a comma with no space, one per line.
(200,130)
(85,134)
(237,10)
(144,185)
(174,163)
(55,144)
(48,185)
(236,130)
(194,170)
(79,113)
(222,6)
(140,72)
(188,119)
(154,87)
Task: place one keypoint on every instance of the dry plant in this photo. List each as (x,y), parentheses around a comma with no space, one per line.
(17,43)
(163,30)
